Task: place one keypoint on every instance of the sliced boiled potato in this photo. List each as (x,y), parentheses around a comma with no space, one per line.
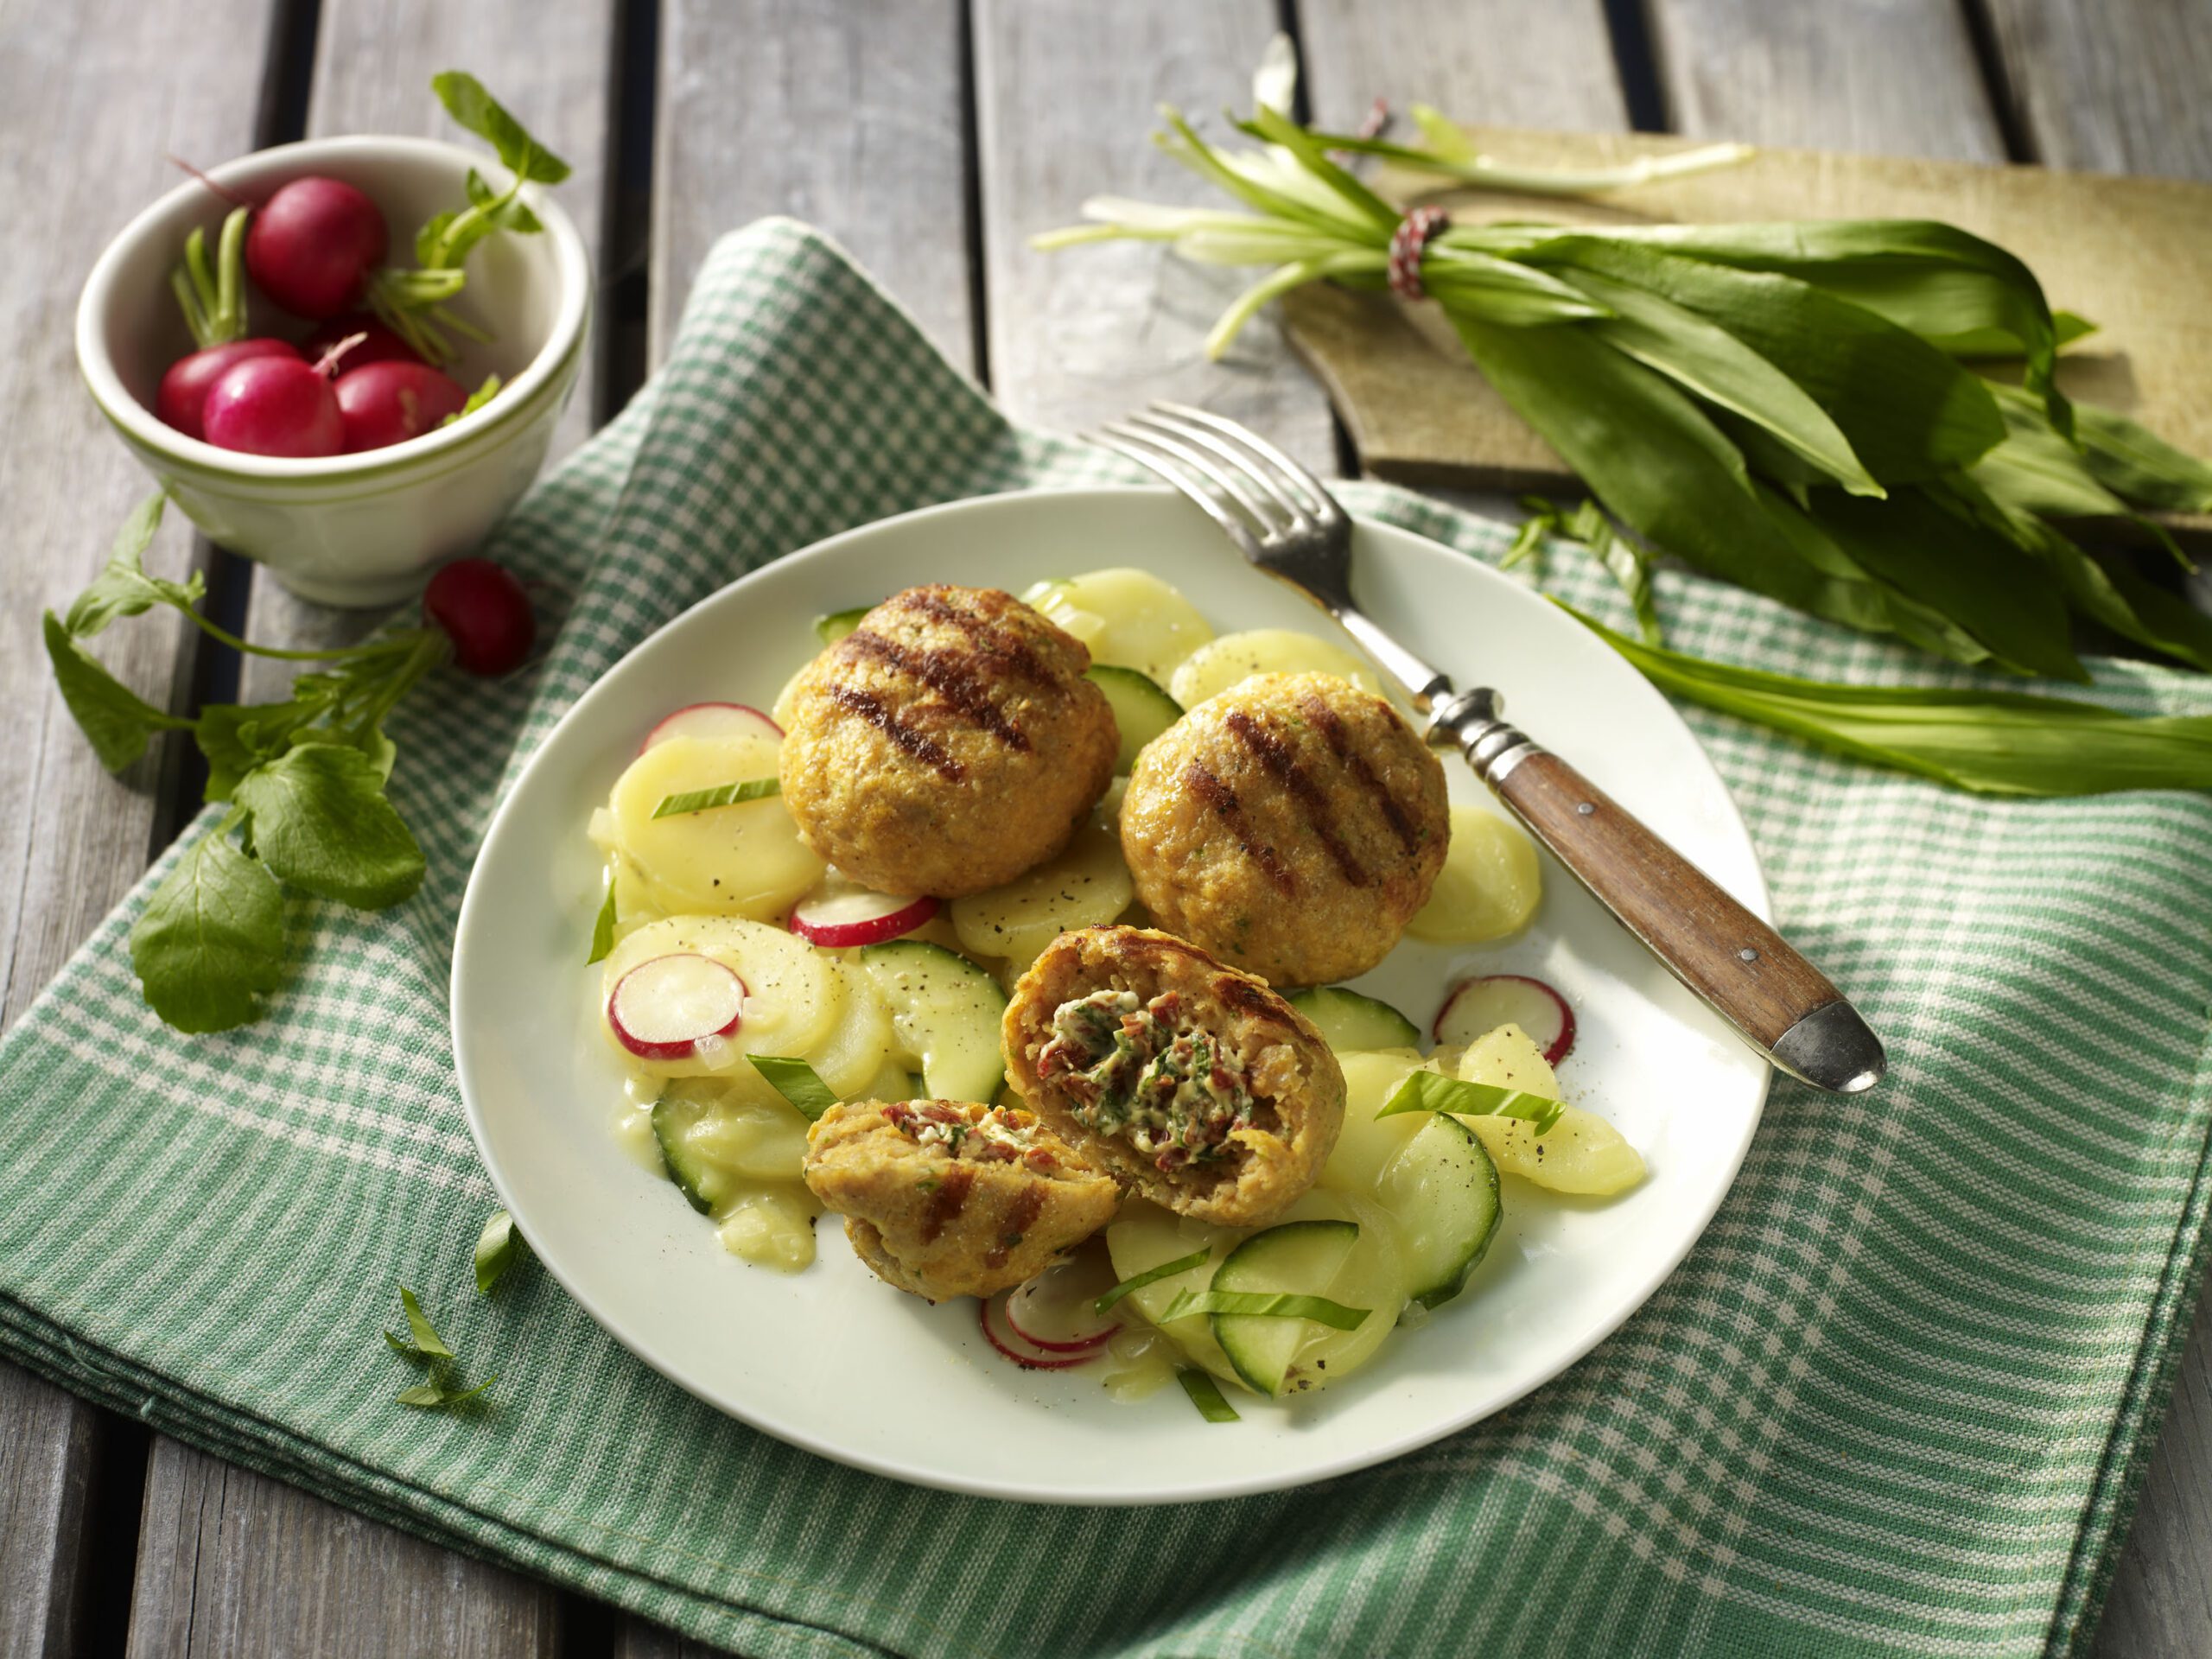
(738,1134)
(1367,1144)
(745,859)
(1144,1237)
(771,1225)
(1581,1153)
(1130,619)
(794,996)
(861,1047)
(1490,885)
(1220,664)
(1087,885)
(1371,1276)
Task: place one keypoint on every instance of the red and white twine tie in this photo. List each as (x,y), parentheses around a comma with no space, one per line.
(1407,244)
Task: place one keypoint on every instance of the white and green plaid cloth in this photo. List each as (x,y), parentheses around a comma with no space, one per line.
(1898,1400)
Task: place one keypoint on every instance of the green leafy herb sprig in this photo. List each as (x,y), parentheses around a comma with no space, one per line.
(413,302)
(423,1346)
(1783,405)
(304,779)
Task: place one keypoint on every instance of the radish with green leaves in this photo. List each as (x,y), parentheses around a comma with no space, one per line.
(379,343)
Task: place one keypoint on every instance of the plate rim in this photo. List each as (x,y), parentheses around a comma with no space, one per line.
(1661,1266)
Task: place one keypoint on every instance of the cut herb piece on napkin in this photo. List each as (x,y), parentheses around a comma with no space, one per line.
(498,1246)
(424,1346)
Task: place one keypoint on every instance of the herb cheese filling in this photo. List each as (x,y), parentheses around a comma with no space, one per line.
(1133,1070)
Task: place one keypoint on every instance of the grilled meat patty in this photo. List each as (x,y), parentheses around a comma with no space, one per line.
(1192,1081)
(945,1198)
(947,744)
(1291,825)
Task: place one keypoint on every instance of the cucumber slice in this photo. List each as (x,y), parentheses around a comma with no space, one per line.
(1441,1190)
(1352,1023)
(1142,710)
(945,1012)
(716,1140)
(834,627)
(1301,1257)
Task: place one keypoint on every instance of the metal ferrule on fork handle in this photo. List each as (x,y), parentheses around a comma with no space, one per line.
(1470,720)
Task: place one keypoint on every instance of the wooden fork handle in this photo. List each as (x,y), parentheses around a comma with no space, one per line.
(1784,1007)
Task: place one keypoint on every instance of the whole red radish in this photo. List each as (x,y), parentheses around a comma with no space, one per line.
(313,244)
(279,406)
(386,403)
(484,610)
(380,344)
(185,387)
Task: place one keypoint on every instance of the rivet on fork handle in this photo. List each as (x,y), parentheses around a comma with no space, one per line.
(1784,1004)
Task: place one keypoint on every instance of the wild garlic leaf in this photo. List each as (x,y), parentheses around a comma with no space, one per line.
(117,721)
(498,1246)
(468,102)
(602,927)
(1626,563)
(123,587)
(322,823)
(1992,742)
(2138,466)
(210,938)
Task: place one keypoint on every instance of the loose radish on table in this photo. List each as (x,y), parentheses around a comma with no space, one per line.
(1479,1005)
(482,609)
(379,343)
(1023,1352)
(671,1007)
(312,246)
(1055,1311)
(282,406)
(841,913)
(712,720)
(389,403)
(185,386)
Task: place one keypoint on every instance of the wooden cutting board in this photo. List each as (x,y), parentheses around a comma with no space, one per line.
(2132,255)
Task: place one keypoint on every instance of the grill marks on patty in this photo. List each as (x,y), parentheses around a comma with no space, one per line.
(1220,799)
(1325,720)
(1019,1216)
(1282,762)
(962,677)
(949,674)
(924,747)
(948,1201)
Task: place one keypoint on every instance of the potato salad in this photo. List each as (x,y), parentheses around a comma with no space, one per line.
(1007,935)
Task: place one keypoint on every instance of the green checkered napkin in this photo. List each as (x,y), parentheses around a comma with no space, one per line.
(1899,1398)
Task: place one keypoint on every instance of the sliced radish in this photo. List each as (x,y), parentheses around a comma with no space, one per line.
(1053,1310)
(715,719)
(675,1006)
(842,912)
(1021,1352)
(1477,1005)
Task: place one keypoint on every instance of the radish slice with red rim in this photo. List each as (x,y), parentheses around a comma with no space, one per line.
(713,720)
(1053,1311)
(841,913)
(1024,1353)
(675,1006)
(1482,1005)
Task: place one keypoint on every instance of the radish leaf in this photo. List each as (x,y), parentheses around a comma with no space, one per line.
(211,935)
(117,720)
(468,102)
(320,822)
(123,587)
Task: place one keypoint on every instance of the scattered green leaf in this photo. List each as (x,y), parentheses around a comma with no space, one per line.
(1432,1092)
(602,929)
(498,1246)
(796,1082)
(433,1393)
(1150,1276)
(703,800)
(1205,1394)
(1266,1305)
(1586,524)
(423,1341)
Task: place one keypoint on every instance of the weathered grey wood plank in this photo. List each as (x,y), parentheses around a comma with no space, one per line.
(230,1562)
(639,1640)
(2161,1599)
(1888,76)
(1065,91)
(1494,61)
(2116,86)
(74,84)
(847,116)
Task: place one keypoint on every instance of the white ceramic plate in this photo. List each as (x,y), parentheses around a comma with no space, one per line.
(813,1358)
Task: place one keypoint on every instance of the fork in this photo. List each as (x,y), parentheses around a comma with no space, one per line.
(1283,521)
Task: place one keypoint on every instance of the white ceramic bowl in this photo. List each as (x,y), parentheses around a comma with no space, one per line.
(365,528)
